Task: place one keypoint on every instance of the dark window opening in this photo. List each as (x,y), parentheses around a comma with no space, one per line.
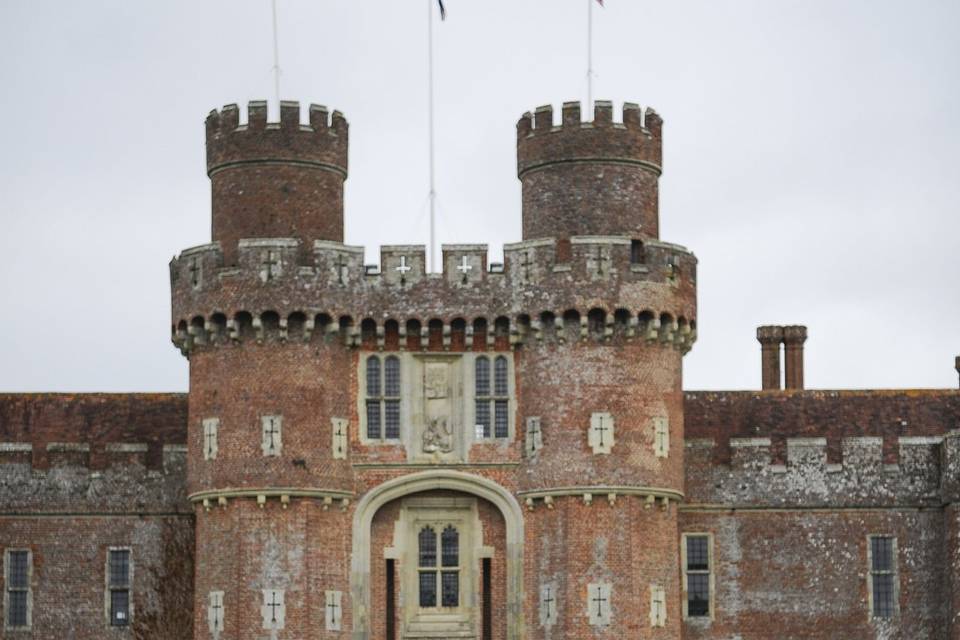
(698,576)
(119,585)
(637,254)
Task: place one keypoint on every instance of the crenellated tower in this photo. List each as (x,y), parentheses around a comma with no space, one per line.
(525,417)
(595,178)
(276,180)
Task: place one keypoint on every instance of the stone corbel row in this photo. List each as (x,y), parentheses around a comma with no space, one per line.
(221,498)
(651,496)
(565,327)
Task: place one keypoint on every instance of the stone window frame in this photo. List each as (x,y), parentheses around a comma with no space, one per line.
(276,450)
(7,589)
(661,436)
(658,606)
(472,398)
(273,619)
(410,391)
(216,615)
(108,588)
(406,370)
(210,446)
(711,572)
(437,512)
(894,571)
(601,442)
(600,613)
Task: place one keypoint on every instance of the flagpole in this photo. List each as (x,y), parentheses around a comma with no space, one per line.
(590,56)
(276,56)
(433,192)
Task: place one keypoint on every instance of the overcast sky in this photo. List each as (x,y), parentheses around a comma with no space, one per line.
(810,161)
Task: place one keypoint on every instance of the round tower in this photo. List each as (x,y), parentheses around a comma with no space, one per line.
(590,178)
(606,385)
(276,180)
(270,398)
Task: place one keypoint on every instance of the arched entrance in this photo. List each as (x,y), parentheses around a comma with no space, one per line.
(430,481)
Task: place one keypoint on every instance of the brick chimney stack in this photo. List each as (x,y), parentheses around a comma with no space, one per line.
(793,339)
(770,338)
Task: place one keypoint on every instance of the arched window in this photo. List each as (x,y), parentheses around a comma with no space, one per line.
(383,398)
(492,405)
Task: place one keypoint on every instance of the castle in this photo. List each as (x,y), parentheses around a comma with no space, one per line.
(489,452)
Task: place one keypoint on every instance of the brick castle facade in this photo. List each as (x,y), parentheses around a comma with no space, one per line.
(488,452)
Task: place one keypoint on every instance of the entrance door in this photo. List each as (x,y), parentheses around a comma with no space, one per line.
(441,539)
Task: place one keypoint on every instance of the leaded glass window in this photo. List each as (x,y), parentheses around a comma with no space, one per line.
(446,574)
(18,588)
(383,398)
(883,574)
(427,553)
(118,584)
(492,402)
(697,572)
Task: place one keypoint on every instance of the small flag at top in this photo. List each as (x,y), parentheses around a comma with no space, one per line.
(443,10)
(600,2)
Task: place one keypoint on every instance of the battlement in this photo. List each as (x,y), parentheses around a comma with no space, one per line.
(322,143)
(599,284)
(598,177)
(799,472)
(636,139)
(822,448)
(75,477)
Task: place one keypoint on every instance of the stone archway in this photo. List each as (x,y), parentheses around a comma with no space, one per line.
(478,486)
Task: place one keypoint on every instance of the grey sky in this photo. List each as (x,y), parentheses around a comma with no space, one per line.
(810,161)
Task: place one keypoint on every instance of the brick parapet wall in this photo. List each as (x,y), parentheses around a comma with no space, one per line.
(534,287)
(69,485)
(821,448)
(94,420)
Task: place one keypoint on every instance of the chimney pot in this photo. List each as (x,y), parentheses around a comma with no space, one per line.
(793,338)
(770,338)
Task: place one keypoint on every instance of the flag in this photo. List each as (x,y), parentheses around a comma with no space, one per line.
(443,10)
(600,2)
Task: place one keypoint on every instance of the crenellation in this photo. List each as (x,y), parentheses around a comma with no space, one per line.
(808,479)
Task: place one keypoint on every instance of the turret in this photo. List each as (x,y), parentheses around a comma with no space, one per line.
(276,180)
(590,178)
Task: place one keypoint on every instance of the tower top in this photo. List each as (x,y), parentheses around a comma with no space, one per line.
(322,142)
(276,179)
(590,178)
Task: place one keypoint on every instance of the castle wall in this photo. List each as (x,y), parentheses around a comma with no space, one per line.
(793,573)
(792,484)
(80,474)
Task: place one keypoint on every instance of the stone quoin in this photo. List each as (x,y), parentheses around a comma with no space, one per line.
(490,452)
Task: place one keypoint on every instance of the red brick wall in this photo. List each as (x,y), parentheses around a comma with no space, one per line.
(69,554)
(802,574)
(95,419)
(626,545)
(243,549)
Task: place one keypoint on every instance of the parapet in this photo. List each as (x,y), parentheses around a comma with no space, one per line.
(75,477)
(798,472)
(821,448)
(592,289)
(636,140)
(322,143)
